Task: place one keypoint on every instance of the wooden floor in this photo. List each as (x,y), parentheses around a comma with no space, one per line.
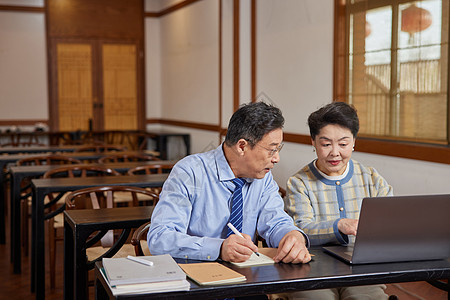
(17,286)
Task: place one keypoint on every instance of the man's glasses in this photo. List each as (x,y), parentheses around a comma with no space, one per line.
(272,151)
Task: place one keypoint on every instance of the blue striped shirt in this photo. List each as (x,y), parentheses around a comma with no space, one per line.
(190,218)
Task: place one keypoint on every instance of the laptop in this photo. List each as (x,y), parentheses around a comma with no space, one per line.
(399,228)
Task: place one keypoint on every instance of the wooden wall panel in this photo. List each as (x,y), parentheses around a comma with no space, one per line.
(96,19)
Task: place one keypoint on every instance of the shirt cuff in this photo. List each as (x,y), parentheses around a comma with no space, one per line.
(211,249)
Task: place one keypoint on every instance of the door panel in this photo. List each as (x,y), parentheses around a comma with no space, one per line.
(119,87)
(74,68)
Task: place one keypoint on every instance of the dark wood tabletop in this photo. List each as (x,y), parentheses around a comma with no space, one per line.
(38,149)
(324,271)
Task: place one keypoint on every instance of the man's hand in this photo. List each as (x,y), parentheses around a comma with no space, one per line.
(292,249)
(237,249)
(348,226)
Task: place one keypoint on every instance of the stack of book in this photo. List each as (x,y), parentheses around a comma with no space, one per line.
(150,274)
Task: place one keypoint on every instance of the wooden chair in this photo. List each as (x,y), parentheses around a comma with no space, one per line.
(25,201)
(151,169)
(52,159)
(103,197)
(100,148)
(139,240)
(126,158)
(56,206)
(23,139)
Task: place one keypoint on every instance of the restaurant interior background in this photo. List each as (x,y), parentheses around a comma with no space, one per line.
(191,63)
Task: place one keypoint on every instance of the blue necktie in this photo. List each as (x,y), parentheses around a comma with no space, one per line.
(236,206)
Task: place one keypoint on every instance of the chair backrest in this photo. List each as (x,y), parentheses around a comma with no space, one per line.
(151,169)
(73,171)
(80,171)
(100,148)
(53,159)
(103,197)
(126,158)
(107,201)
(139,240)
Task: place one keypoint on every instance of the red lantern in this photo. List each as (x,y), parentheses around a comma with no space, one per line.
(415,19)
(368,29)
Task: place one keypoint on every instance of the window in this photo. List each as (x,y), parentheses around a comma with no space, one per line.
(394,54)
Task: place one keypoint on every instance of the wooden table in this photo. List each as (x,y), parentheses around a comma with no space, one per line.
(32,137)
(78,225)
(12,157)
(323,272)
(42,187)
(161,138)
(6,160)
(38,149)
(19,173)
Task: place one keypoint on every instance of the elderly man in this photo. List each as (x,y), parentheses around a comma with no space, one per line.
(206,191)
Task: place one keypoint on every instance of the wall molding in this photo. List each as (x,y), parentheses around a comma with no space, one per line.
(21,122)
(169,9)
(19,8)
(195,125)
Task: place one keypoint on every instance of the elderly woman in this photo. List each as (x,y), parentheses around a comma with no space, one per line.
(324,198)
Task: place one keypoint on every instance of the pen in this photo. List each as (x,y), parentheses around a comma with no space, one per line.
(237,233)
(140,260)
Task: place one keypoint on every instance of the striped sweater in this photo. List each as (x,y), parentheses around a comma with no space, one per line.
(317,204)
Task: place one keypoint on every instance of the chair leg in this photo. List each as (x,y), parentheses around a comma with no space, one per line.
(52,253)
(25,220)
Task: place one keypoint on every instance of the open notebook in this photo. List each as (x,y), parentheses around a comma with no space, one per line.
(400,228)
(256,260)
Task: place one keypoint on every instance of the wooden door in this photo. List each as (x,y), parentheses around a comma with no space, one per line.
(74,86)
(120,95)
(97,86)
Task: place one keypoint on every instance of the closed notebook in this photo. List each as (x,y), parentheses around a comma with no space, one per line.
(211,273)
(149,287)
(124,271)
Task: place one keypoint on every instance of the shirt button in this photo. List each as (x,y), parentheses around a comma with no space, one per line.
(341,209)
(338,183)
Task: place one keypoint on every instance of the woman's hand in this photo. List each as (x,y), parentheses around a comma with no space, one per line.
(348,226)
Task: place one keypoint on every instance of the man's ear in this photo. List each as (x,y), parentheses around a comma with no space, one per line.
(242,145)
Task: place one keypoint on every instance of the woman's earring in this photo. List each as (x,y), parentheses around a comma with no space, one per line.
(314,149)
(353,149)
